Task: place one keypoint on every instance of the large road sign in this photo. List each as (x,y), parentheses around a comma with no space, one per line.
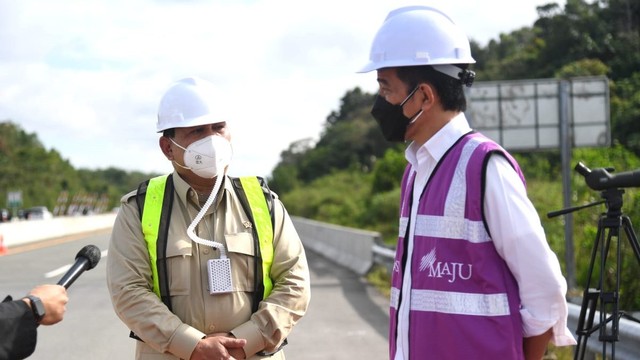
(527,114)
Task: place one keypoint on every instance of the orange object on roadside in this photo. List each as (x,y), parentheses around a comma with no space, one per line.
(3,249)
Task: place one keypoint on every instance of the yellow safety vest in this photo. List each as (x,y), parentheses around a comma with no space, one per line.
(254,201)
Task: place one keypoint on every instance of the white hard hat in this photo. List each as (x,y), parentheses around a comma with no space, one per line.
(188,102)
(418,35)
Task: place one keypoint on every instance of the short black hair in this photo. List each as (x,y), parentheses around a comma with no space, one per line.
(170,133)
(449,89)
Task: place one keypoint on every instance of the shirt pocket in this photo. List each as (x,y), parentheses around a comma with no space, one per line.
(178,267)
(240,248)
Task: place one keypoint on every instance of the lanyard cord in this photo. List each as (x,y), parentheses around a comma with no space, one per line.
(191,229)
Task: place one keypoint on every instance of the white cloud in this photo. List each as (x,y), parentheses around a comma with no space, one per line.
(86,77)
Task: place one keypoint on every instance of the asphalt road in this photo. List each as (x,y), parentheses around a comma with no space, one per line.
(347,319)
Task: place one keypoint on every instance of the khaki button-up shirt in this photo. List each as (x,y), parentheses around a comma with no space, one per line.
(196,312)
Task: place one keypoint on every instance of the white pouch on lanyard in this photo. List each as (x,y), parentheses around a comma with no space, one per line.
(219,276)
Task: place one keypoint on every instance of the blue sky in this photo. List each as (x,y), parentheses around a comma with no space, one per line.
(86,76)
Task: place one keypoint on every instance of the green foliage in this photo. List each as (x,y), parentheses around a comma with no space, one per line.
(379,277)
(43,177)
(513,57)
(381,214)
(584,67)
(350,139)
(28,168)
(604,31)
(352,105)
(543,165)
(285,176)
(388,170)
(625,111)
(325,199)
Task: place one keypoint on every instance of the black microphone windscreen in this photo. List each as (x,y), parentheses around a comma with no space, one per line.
(91,253)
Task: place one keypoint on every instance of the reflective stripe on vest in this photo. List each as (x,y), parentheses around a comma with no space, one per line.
(264,229)
(261,217)
(151,223)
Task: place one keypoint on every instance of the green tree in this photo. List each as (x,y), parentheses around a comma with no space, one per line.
(43,177)
(388,170)
(625,111)
(583,67)
(350,139)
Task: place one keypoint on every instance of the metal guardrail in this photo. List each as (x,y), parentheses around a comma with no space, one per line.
(628,346)
(359,250)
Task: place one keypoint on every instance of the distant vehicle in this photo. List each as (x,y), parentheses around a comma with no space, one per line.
(5,215)
(38,213)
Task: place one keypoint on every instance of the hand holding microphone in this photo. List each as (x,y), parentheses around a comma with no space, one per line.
(86,259)
(47,302)
(52,299)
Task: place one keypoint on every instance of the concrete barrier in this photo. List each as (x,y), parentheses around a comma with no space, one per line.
(23,232)
(348,247)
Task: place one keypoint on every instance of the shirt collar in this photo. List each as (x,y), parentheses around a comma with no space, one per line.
(439,143)
(186,194)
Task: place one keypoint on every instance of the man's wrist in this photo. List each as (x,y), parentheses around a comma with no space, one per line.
(36,305)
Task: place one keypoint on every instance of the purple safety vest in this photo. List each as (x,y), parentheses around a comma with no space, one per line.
(464,300)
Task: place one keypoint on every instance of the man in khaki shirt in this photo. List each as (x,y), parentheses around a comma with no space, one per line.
(203,325)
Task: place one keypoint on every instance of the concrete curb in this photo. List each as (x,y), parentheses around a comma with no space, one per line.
(16,233)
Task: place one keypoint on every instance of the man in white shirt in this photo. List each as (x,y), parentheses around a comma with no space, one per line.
(474,276)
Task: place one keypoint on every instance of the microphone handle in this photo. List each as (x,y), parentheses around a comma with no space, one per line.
(74,272)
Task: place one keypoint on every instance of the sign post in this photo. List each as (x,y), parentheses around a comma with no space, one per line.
(14,201)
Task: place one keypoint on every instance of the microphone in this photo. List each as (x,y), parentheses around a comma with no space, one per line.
(86,259)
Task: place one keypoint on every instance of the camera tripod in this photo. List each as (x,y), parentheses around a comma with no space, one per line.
(611,225)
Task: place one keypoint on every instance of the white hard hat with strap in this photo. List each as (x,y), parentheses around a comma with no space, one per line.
(419,35)
(188,102)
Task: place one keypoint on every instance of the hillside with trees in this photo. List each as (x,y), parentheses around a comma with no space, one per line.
(44,178)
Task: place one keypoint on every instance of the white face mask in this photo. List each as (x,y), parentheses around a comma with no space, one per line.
(207,157)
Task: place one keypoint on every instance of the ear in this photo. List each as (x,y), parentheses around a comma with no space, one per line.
(430,96)
(165,146)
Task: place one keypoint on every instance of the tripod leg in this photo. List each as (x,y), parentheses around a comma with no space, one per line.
(631,236)
(589,299)
(587,313)
(609,298)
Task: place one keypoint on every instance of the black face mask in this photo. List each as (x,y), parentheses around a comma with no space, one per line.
(391,119)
